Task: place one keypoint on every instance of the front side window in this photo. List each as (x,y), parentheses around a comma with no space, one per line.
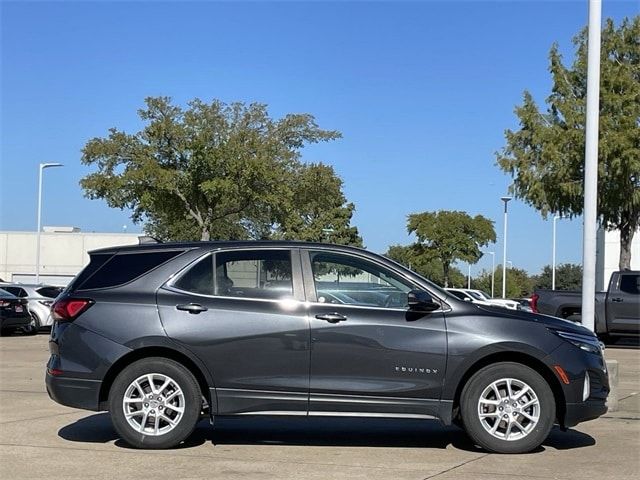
(346,280)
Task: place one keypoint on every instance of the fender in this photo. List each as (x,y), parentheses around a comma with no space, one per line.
(458,367)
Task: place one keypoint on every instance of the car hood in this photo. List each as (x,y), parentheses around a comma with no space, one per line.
(546,320)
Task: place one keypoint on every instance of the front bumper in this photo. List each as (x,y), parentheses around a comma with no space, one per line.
(581,412)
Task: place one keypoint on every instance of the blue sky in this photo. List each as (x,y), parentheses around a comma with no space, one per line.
(422,92)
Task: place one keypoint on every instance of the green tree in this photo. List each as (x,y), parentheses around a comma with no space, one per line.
(218,171)
(545,156)
(568,277)
(319,211)
(424,263)
(519,284)
(451,236)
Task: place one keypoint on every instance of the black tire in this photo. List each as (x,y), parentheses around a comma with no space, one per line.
(482,379)
(192,403)
(33,327)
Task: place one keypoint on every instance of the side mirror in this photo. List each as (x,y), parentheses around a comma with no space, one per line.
(421,300)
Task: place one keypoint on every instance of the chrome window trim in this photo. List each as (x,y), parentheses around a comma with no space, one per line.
(169,284)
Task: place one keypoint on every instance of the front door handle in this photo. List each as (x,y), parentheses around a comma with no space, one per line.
(331,317)
(617,300)
(192,308)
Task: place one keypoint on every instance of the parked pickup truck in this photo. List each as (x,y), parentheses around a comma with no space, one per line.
(617,309)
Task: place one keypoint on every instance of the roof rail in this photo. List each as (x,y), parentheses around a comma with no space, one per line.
(146,240)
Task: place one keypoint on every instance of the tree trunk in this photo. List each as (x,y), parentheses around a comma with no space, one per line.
(626,237)
(205,235)
(445,272)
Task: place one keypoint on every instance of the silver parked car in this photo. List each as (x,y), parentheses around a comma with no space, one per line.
(39,299)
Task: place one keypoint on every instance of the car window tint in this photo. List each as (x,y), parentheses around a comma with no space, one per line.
(49,292)
(347,280)
(457,294)
(198,278)
(125,267)
(630,284)
(254,274)
(17,291)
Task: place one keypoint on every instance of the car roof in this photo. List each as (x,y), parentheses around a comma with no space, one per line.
(219,244)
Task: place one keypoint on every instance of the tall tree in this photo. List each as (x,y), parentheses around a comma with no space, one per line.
(451,236)
(217,171)
(519,284)
(545,156)
(319,211)
(568,277)
(424,263)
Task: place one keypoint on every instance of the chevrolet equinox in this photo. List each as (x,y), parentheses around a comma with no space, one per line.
(163,334)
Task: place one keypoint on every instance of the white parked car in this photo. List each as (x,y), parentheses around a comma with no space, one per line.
(464,294)
(39,298)
(500,302)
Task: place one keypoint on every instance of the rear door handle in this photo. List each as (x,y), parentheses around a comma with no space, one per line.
(192,308)
(617,300)
(331,317)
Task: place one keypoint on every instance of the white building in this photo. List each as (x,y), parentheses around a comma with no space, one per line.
(608,256)
(63,253)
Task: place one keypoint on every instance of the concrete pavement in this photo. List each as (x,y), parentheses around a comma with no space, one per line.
(40,439)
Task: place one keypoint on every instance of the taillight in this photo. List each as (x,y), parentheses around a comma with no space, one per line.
(534,302)
(68,309)
(4,303)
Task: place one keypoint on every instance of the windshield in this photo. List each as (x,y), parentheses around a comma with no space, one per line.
(476,295)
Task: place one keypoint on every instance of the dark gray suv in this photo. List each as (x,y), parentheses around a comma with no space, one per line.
(163,334)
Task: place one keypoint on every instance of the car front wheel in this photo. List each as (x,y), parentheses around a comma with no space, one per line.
(507,408)
(155,403)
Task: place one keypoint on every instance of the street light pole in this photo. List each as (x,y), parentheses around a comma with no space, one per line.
(591,167)
(553,253)
(42,167)
(469,277)
(493,271)
(504,249)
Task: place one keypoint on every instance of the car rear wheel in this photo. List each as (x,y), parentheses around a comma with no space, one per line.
(155,403)
(33,327)
(507,408)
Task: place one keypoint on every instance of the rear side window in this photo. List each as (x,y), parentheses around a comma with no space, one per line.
(254,274)
(49,292)
(125,267)
(17,291)
(243,274)
(630,284)
(199,278)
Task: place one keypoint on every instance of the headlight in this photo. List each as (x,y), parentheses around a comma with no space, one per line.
(583,342)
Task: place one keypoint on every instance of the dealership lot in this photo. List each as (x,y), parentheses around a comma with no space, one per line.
(40,439)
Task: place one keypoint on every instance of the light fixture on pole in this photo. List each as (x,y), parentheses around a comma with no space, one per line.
(504,248)
(553,253)
(42,167)
(493,271)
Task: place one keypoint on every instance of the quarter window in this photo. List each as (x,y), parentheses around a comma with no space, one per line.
(347,280)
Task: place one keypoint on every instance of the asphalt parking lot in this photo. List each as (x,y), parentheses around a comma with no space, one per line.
(40,439)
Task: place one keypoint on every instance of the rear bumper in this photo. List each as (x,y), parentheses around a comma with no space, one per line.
(581,412)
(74,392)
(15,322)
